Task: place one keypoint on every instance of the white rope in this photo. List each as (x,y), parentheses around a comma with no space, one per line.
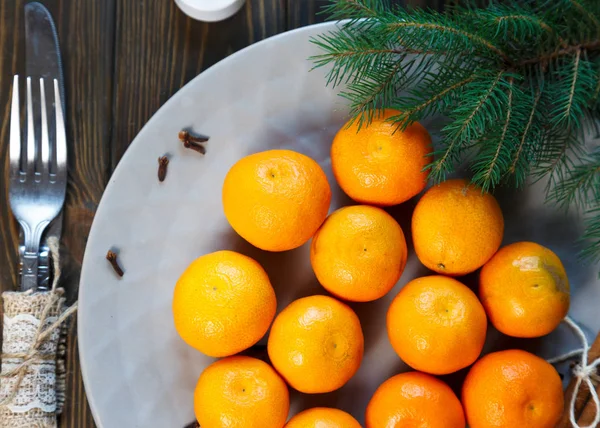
(583,372)
(567,356)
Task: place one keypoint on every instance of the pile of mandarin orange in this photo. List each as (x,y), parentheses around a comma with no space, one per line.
(278,200)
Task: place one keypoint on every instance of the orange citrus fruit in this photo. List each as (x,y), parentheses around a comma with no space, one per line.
(379,164)
(277,199)
(316,344)
(524,290)
(414,399)
(512,389)
(323,417)
(436,325)
(456,227)
(241,392)
(359,253)
(223,303)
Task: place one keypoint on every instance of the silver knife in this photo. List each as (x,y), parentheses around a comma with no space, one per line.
(42,59)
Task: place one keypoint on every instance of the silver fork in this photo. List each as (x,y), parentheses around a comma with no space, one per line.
(38,172)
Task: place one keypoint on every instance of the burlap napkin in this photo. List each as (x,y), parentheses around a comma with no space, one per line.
(32,379)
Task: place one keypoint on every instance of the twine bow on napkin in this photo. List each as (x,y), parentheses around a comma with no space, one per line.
(32,379)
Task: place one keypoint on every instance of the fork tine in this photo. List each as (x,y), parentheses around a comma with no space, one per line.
(15,131)
(45,149)
(30,166)
(61,137)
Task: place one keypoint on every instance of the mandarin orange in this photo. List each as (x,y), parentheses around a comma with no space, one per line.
(456,227)
(359,253)
(223,303)
(241,392)
(277,199)
(436,325)
(414,399)
(322,417)
(525,290)
(379,164)
(316,343)
(512,388)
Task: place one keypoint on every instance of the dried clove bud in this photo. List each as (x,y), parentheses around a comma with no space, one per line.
(112,258)
(193,142)
(163,161)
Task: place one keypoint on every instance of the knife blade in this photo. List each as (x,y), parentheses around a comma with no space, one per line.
(43,59)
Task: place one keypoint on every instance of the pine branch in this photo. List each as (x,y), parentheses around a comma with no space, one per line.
(366,96)
(486,177)
(567,113)
(575,83)
(519,84)
(520,162)
(353,9)
(447,29)
(581,184)
(532,21)
(590,239)
(565,51)
(427,106)
(466,126)
(586,13)
(597,87)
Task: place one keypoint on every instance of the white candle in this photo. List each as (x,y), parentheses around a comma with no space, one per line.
(210,10)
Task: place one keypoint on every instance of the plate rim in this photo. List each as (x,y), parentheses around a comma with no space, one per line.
(82,321)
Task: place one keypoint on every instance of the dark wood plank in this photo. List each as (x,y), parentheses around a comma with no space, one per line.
(159,49)
(86,31)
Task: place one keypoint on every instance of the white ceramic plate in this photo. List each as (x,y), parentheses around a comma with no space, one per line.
(137,371)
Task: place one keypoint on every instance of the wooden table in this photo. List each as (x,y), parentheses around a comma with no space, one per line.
(123,59)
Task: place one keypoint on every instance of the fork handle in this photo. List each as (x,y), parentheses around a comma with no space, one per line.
(32,238)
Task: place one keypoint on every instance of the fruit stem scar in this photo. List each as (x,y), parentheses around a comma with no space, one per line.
(441,266)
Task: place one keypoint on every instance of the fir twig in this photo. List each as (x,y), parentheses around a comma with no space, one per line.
(586,13)
(446,29)
(525,139)
(461,130)
(519,84)
(410,115)
(566,51)
(591,236)
(487,175)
